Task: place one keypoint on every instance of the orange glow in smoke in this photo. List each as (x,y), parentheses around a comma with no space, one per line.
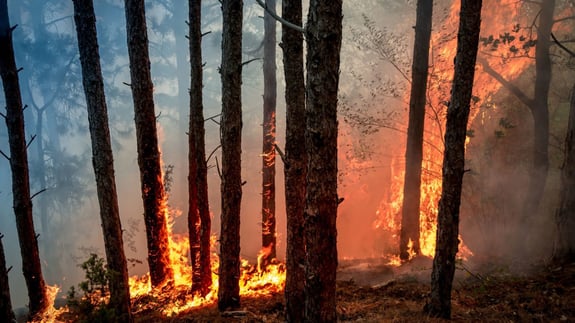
(443,49)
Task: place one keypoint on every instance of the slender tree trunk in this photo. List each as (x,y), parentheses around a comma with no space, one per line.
(295,164)
(6,313)
(323,35)
(200,219)
(231,140)
(103,160)
(540,110)
(564,251)
(447,240)
(269,138)
(414,147)
(31,265)
(153,193)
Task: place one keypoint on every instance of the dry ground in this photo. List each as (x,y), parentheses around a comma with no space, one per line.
(370,291)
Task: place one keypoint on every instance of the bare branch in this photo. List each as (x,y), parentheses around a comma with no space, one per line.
(38,193)
(5,156)
(278,18)
(212,117)
(8,270)
(218,168)
(251,60)
(128,84)
(206,33)
(508,85)
(31,141)
(213,152)
(281,153)
(570,52)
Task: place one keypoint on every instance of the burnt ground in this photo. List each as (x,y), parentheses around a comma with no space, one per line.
(371,291)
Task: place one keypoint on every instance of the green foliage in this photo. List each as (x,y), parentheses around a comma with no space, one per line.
(91,306)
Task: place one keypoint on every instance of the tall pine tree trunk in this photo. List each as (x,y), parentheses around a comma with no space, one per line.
(269,138)
(323,35)
(31,265)
(414,147)
(231,140)
(447,240)
(6,313)
(153,193)
(199,222)
(102,159)
(564,251)
(295,164)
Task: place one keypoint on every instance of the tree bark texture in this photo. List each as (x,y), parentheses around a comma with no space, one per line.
(199,213)
(447,241)
(540,110)
(153,193)
(269,138)
(323,35)
(102,159)
(414,147)
(231,140)
(564,251)
(295,164)
(31,265)
(6,313)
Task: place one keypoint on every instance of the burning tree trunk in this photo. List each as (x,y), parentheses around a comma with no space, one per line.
(269,138)
(323,34)
(153,193)
(564,251)
(295,163)
(454,160)
(540,109)
(6,313)
(231,140)
(199,221)
(103,160)
(414,152)
(31,265)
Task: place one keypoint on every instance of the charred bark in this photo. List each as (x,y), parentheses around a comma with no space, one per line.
(295,164)
(414,147)
(323,35)
(6,313)
(439,304)
(31,265)
(564,251)
(199,221)
(102,159)
(269,138)
(153,193)
(231,140)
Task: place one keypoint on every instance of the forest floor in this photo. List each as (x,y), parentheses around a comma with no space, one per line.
(371,291)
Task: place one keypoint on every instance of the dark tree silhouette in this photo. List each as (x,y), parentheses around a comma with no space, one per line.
(295,163)
(231,140)
(447,241)
(31,265)
(103,160)
(153,193)
(414,147)
(269,138)
(323,36)
(564,251)
(199,221)
(6,313)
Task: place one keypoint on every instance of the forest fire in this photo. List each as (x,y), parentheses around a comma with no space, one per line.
(501,55)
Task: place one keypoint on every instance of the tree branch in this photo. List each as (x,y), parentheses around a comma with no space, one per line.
(212,153)
(281,153)
(280,19)
(31,141)
(570,52)
(38,193)
(5,156)
(508,85)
